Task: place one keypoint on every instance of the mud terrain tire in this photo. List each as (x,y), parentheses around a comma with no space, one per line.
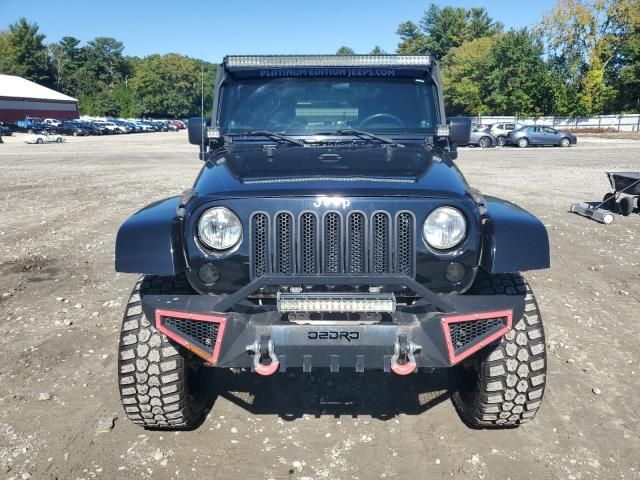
(503,385)
(157,378)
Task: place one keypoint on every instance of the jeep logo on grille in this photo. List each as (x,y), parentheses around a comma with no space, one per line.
(331,202)
(333,335)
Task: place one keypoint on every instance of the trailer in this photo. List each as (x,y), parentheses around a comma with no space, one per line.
(626,192)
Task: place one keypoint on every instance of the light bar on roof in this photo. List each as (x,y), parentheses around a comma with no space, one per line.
(289,61)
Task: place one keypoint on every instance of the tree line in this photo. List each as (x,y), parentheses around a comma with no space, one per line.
(103,79)
(582,58)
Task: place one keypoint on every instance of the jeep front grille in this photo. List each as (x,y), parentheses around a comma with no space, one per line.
(333,243)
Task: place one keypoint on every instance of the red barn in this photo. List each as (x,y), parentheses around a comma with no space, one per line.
(20,98)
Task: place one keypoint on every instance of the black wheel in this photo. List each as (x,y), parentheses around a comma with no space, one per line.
(626,206)
(484,142)
(158,379)
(502,140)
(565,142)
(39,141)
(523,143)
(59,139)
(609,201)
(503,385)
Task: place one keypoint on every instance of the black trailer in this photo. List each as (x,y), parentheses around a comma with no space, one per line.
(627,183)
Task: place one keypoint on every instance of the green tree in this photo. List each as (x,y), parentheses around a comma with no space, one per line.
(377,50)
(517,78)
(103,56)
(23,53)
(464,76)
(591,36)
(65,57)
(625,71)
(444,28)
(167,85)
(345,51)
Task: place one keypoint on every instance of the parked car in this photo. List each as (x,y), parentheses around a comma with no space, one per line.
(5,131)
(501,130)
(89,127)
(70,128)
(52,121)
(481,137)
(145,127)
(125,127)
(540,135)
(30,125)
(110,127)
(44,137)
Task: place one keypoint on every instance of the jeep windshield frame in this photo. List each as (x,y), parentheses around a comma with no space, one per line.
(317,106)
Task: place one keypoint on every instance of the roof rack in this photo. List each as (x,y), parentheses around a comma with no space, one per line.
(235,62)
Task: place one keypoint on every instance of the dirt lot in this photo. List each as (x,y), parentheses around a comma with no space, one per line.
(61,304)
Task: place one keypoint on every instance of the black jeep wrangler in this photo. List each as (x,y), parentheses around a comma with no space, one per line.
(329,228)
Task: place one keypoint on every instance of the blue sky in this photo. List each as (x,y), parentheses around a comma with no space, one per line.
(211,29)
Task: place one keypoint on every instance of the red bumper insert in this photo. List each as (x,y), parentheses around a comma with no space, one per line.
(202,334)
(466,334)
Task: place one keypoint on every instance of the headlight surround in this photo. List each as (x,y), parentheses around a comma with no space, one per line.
(219,228)
(444,228)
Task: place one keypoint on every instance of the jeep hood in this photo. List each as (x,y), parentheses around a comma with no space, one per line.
(314,170)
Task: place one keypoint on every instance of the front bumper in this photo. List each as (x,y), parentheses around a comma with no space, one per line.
(425,334)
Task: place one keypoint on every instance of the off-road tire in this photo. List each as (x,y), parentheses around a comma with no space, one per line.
(503,385)
(626,206)
(157,377)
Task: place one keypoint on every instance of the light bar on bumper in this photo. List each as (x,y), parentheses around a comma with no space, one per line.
(293,61)
(336,302)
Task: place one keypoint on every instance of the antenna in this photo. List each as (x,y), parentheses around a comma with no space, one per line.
(202,126)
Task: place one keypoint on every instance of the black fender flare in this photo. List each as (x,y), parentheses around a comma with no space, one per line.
(150,241)
(514,240)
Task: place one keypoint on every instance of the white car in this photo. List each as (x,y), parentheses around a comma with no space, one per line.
(52,121)
(112,127)
(40,138)
(501,131)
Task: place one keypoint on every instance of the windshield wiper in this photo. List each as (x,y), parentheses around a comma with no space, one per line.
(275,136)
(362,134)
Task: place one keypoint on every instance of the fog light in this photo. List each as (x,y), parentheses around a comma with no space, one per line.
(455,272)
(208,274)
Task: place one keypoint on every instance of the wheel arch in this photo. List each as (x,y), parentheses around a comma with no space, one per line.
(514,240)
(150,241)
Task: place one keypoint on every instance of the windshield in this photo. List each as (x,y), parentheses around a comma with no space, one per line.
(304,106)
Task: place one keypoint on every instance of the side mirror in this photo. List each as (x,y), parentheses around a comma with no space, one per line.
(459,130)
(196,130)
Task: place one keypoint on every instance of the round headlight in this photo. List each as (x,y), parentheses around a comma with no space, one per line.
(219,228)
(444,228)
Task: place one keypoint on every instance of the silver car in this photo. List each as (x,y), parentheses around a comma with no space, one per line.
(481,137)
(540,135)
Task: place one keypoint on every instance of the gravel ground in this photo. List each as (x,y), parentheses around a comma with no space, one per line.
(61,305)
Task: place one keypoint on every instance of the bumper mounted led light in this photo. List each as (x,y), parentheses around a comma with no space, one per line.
(336,303)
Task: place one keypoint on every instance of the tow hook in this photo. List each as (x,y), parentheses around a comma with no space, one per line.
(403,361)
(265,361)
